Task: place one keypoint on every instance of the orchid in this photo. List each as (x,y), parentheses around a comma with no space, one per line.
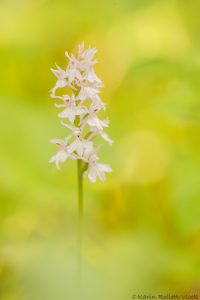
(95,169)
(63,152)
(80,112)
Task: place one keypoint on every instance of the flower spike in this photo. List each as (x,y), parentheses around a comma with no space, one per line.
(79,112)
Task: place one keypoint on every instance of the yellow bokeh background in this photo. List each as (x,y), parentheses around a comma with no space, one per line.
(142,226)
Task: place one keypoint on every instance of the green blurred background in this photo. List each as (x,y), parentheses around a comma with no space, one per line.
(141,227)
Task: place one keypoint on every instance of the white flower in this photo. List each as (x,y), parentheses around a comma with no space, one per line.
(95,132)
(87,92)
(71,112)
(106,137)
(88,54)
(62,153)
(80,111)
(71,109)
(91,77)
(98,102)
(92,119)
(79,145)
(61,75)
(73,74)
(80,49)
(96,169)
(65,98)
(81,64)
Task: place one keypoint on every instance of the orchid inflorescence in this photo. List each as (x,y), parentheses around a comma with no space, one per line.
(81,108)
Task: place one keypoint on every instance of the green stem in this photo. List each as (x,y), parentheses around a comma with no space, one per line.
(80,191)
(80,217)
